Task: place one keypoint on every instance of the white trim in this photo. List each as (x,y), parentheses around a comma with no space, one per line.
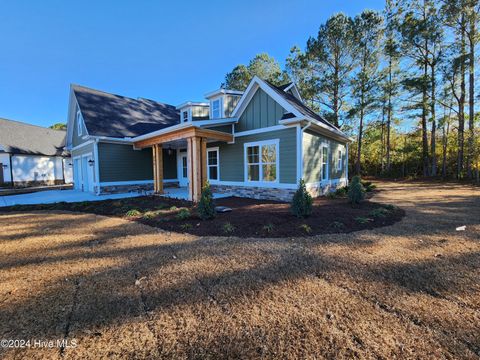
(270,185)
(260,130)
(325,146)
(190,103)
(346,164)
(162,131)
(217,150)
(295,90)
(220,107)
(108,139)
(328,131)
(222,92)
(89,142)
(96,180)
(260,182)
(326,182)
(216,122)
(113,183)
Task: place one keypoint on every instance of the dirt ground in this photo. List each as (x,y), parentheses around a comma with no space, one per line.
(121,289)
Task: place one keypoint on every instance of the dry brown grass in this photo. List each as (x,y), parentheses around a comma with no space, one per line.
(410,290)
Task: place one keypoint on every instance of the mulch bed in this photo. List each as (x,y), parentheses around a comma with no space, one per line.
(249,218)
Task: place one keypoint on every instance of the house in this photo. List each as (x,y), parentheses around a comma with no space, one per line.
(257,143)
(32,155)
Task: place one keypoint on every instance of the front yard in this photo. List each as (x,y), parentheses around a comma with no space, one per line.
(124,289)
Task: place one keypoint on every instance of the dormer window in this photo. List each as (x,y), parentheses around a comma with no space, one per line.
(216,109)
(185,116)
(79,123)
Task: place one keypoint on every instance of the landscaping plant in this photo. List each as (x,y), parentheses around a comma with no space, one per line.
(356,192)
(302,201)
(183,214)
(206,205)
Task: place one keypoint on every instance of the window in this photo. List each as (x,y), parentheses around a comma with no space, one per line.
(184,167)
(212,164)
(261,161)
(324,163)
(339,160)
(79,123)
(185,116)
(216,109)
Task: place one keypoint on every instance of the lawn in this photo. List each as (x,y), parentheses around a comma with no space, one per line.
(248,218)
(124,289)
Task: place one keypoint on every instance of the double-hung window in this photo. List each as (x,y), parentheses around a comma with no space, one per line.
(324,163)
(339,160)
(212,164)
(79,123)
(216,109)
(185,116)
(262,161)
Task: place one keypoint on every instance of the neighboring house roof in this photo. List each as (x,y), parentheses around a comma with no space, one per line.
(111,115)
(21,138)
(297,104)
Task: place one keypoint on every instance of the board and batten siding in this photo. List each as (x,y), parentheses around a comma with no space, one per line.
(262,111)
(230,101)
(312,157)
(119,162)
(232,156)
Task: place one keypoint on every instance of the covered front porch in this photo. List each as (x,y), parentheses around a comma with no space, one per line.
(182,136)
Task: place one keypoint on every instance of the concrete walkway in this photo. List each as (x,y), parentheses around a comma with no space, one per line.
(53,196)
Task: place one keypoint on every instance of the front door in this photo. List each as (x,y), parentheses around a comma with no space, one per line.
(182,169)
(1,174)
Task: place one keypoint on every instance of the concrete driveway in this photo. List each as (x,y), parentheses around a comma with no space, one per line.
(53,196)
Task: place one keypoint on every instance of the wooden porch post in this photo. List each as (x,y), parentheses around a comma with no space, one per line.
(157,168)
(197,163)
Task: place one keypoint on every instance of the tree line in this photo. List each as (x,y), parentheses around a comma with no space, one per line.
(401,82)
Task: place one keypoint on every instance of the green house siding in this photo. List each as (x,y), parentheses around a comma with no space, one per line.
(312,157)
(76,139)
(232,156)
(87,149)
(118,162)
(262,111)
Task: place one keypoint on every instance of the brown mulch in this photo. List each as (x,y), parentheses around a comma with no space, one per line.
(248,218)
(121,289)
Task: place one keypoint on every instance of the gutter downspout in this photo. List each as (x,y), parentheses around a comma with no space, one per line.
(97,166)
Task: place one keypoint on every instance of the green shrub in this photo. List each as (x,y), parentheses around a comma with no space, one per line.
(173,208)
(301,205)
(306,228)
(341,192)
(150,215)
(368,186)
(389,207)
(337,225)
(379,212)
(183,214)
(186,226)
(228,228)
(206,205)
(268,228)
(133,212)
(363,220)
(356,192)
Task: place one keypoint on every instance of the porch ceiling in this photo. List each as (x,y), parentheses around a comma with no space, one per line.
(184,133)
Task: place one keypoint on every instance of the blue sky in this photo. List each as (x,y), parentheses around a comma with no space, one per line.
(169,51)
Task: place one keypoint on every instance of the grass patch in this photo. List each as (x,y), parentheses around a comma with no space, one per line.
(186,227)
(133,213)
(268,228)
(228,228)
(183,214)
(306,228)
(379,213)
(363,220)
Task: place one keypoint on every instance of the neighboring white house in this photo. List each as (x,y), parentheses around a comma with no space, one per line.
(32,155)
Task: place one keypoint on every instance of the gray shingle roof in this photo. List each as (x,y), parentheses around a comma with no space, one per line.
(113,115)
(297,104)
(21,138)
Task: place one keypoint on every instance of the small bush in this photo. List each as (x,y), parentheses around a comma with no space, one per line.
(133,213)
(379,212)
(341,192)
(228,228)
(186,226)
(173,208)
(368,186)
(161,206)
(363,220)
(306,228)
(183,214)
(356,192)
(150,215)
(268,228)
(337,225)
(301,205)
(389,207)
(206,205)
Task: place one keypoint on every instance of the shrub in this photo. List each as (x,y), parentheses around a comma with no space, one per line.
(228,228)
(150,214)
(363,220)
(268,228)
(173,208)
(306,228)
(368,186)
(389,207)
(133,212)
(337,225)
(379,212)
(206,205)
(186,226)
(183,214)
(341,192)
(301,205)
(356,192)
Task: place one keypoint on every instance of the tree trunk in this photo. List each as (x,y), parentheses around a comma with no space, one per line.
(444,152)
(471,97)
(382,141)
(389,112)
(434,125)
(336,109)
(359,147)
(424,122)
(461,106)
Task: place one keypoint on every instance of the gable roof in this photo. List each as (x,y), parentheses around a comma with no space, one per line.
(22,138)
(111,115)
